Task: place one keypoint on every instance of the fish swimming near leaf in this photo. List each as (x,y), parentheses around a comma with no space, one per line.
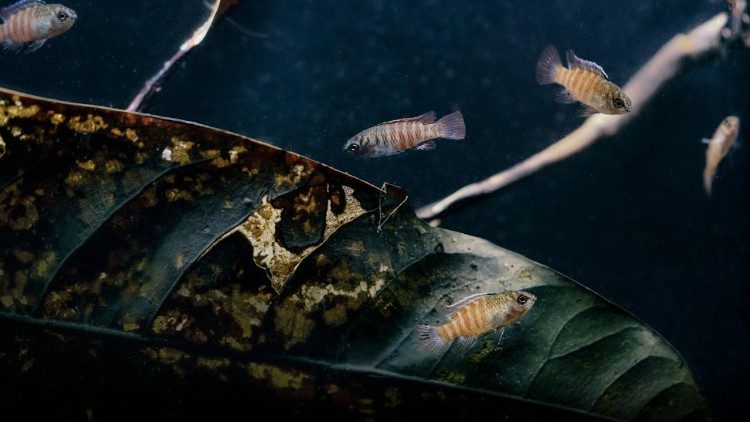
(583,81)
(473,317)
(30,23)
(401,135)
(718,147)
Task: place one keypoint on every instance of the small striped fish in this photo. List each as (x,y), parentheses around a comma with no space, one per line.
(474,316)
(583,81)
(32,23)
(401,135)
(718,147)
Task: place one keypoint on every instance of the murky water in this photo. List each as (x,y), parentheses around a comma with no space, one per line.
(627,218)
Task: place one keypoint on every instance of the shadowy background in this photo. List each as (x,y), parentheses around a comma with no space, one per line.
(627,218)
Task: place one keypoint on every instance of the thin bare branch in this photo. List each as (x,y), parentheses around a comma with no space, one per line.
(153,85)
(664,65)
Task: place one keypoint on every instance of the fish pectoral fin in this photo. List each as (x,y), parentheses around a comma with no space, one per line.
(586,111)
(36,45)
(464,344)
(563,96)
(500,338)
(427,146)
(708,141)
(12,46)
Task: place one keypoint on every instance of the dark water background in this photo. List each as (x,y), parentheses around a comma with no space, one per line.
(626,218)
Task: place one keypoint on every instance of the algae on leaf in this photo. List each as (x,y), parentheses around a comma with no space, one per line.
(149,261)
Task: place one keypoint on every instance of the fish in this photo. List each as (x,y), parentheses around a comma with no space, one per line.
(583,81)
(472,317)
(30,23)
(401,135)
(718,147)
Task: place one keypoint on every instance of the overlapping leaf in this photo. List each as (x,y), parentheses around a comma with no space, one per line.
(146,260)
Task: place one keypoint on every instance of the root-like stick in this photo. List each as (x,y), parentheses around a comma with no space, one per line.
(704,39)
(152,85)
(381,220)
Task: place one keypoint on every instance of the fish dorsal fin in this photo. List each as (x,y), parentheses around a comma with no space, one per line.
(575,62)
(427,118)
(6,11)
(453,308)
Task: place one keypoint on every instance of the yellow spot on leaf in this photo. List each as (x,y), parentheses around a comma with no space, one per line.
(297,383)
(131,135)
(180,151)
(235,152)
(86,165)
(90,125)
(45,264)
(24,256)
(74,178)
(57,118)
(112,166)
(392,397)
(211,153)
(175,194)
(17,110)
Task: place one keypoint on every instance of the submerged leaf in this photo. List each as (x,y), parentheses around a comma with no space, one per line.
(147,261)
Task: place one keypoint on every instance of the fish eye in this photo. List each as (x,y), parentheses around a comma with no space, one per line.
(618,103)
(522,299)
(353,147)
(62,16)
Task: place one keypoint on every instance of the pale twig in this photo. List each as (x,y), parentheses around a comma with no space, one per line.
(705,39)
(381,220)
(154,83)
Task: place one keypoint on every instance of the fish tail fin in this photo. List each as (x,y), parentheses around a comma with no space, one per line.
(546,66)
(452,126)
(429,339)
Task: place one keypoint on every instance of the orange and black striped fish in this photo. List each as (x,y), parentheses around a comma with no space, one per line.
(32,22)
(583,81)
(473,317)
(401,135)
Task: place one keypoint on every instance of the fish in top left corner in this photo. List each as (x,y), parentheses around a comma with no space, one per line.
(31,23)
